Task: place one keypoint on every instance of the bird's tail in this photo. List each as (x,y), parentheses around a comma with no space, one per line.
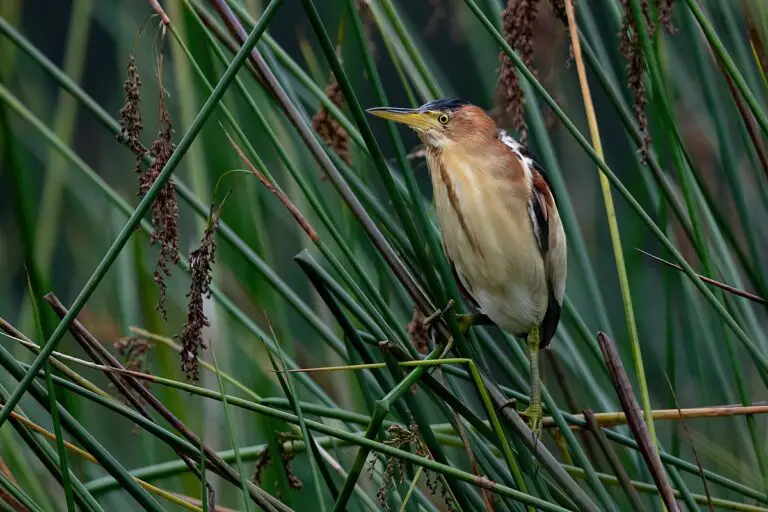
(551,319)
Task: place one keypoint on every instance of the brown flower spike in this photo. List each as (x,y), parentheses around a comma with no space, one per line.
(130,115)
(201,268)
(518,19)
(165,209)
(403,437)
(632,51)
(665,15)
(631,48)
(327,127)
(261,465)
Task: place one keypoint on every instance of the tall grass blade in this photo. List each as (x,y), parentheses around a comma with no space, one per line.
(141,209)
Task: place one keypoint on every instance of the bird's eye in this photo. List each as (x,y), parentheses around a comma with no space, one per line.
(443,118)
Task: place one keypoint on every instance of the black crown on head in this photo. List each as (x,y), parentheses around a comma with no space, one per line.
(444,104)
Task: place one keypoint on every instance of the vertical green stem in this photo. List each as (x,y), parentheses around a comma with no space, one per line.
(613,224)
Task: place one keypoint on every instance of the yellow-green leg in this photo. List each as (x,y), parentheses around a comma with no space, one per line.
(533,412)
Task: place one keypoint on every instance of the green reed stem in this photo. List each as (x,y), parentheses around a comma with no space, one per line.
(141,209)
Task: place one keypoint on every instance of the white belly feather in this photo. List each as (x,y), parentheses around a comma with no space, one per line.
(494,249)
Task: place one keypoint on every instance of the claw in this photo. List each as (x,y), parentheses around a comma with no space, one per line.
(535,419)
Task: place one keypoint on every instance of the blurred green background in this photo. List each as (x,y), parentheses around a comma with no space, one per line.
(705,187)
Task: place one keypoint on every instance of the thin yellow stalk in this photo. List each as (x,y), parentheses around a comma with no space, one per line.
(612,419)
(612,223)
(411,488)
(371,366)
(759,64)
(50,435)
(174,498)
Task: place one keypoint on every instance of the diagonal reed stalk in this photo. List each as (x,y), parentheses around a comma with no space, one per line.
(142,208)
(362,301)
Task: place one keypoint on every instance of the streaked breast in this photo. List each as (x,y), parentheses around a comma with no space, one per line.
(486,228)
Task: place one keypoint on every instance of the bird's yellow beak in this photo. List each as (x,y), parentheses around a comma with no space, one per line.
(415,118)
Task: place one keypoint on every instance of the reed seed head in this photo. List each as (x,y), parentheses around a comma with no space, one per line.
(327,127)
(165,209)
(286,457)
(261,465)
(518,19)
(665,15)
(418,331)
(631,49)
(201,269)
(131,123)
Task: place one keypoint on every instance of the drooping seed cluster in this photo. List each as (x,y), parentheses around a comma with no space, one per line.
(131,124)
(665,15)
(261,465)
(286,458)
(133,352)
(632,51)
(518,19)
(631,48)
(327,127)
(165,209)
(399,436)
(201,269)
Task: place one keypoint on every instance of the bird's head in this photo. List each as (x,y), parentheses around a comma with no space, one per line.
(443,122)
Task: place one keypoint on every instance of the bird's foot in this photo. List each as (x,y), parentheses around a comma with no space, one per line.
(534,415)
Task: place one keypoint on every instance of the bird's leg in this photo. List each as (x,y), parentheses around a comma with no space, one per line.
(533,412)
(468,320)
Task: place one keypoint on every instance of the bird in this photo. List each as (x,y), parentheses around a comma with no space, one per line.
(499,224)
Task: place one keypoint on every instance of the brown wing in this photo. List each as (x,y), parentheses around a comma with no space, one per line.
(548,229)
(549,233)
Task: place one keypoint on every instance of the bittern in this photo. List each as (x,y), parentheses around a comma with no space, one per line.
(500,226)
